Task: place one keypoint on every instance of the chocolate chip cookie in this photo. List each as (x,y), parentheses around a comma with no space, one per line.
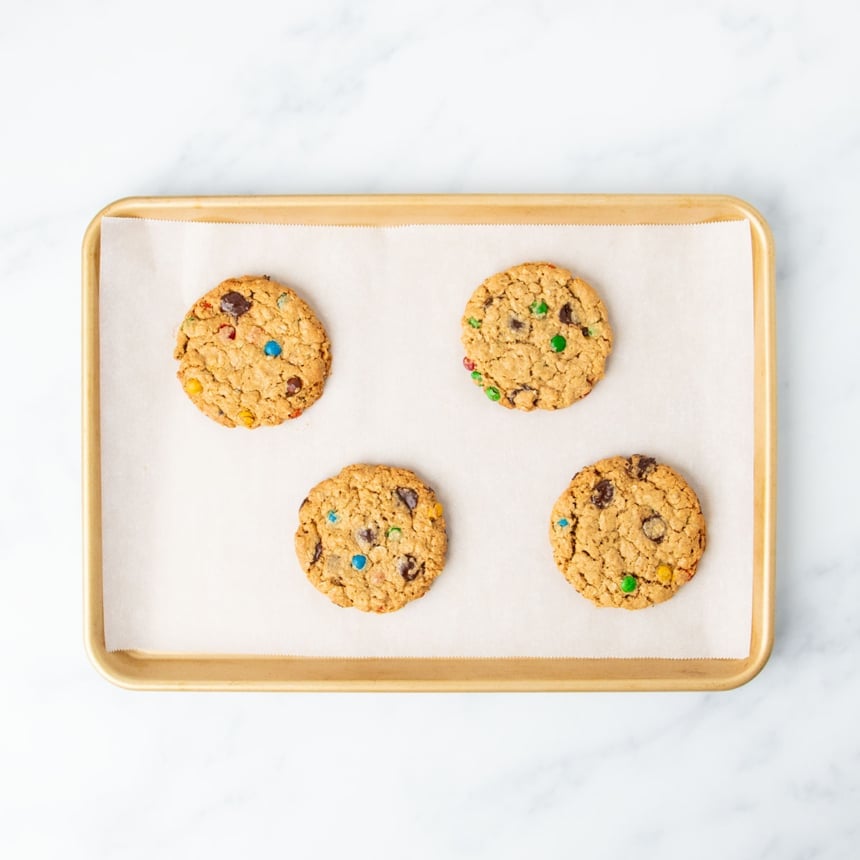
(535,337)
(627,532)
(251,352)
(372,537)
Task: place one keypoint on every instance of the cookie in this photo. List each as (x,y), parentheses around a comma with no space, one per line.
(535,337)
(251,352)
(372,537)
(627,532)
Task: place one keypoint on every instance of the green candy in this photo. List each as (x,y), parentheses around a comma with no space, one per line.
(393,533)
(558,343)
(492,393)
(593,330)
(539,309)
(476,375)
(473,322)
(628,584)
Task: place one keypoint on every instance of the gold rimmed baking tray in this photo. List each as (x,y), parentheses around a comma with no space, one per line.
(169,671)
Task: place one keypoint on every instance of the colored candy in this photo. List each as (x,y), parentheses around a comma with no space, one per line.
(563,523)
(493,393)
(246,417)
(468,363)
(628,584)
(295,413)
(332,517)
(393,533)
(473,322)
(436,512)
(558,343)
(272,348)
(539,309)
(226,332)
(593,330)
(664,573)
(283,298)
(476,375)
(359,561)
(193,386)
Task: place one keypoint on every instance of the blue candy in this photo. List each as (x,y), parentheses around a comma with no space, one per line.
(331,516)
(563,523)
(359,561)
(272,348)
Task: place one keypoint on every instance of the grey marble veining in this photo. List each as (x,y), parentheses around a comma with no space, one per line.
(756,99)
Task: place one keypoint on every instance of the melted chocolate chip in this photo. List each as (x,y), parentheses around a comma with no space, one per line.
(317,552)
(566,315)
(294,385)
(366,536)
(640,467)
(604,492)
(409,567)
(654,528)
(511,396)
(515,325)
(408,496)
(235,304)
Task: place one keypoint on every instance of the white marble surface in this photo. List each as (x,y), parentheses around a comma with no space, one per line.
(103,100)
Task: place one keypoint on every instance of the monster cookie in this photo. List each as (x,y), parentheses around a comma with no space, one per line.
(372,537)
(251,352)
(627,532)
(535,337)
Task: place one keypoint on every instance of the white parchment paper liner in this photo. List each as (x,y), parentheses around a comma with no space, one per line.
(198,520)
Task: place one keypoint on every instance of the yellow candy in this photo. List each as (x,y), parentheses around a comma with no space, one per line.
(664,573)
(193,386)
(246,417)
(436,512)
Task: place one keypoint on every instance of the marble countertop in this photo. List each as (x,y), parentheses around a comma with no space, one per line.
(753,99)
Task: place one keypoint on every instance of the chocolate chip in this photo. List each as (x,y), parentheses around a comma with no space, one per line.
(409,567)
(317,552)
(366,536)
(654,528)
(488,302)
(585,331)
(294,386)
(566,315)
(516,324)
(640,467)
(408,496)
(235,304)
(511,396)
(604,492)
(268,277)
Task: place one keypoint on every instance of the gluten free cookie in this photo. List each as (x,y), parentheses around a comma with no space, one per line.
(627,532)
(251,352)
(372,537)
(535,337)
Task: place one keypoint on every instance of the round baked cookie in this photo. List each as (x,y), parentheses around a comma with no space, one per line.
(251,352)
(535,337)
(627,532)
(372,537)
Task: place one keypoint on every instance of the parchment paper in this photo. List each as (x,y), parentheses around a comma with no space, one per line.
(198,519)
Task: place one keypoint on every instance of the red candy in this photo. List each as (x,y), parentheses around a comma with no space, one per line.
(227,332)
(468,364)
(295,413)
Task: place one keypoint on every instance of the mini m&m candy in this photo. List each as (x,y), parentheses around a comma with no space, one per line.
(193,386)
(359,561)
(628,584)
(332,517)
(272,348)
(468,363)
(246,417)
